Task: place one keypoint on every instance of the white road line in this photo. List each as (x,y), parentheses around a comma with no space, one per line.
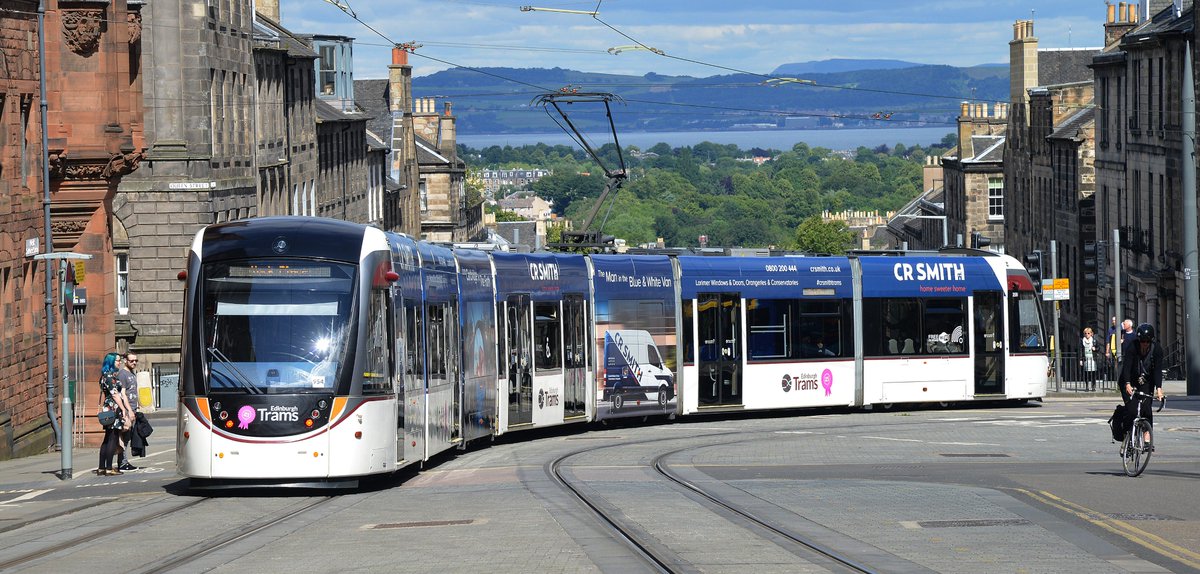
(895,439)
(29,495)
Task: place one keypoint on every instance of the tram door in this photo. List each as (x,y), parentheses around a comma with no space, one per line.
(575,359)
(989,343)
(519,342)
(413,437)
(720,347)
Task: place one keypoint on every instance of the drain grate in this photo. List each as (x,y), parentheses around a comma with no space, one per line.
(421,524)
(1140,516)
(973,523)
(975,455)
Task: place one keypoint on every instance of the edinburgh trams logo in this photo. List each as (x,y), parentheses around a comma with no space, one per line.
(548,398)
(809,382)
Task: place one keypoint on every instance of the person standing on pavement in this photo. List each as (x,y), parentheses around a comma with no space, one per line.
(129,382)
(1110,349)
(112,398)
(1142,372)
(1087,357)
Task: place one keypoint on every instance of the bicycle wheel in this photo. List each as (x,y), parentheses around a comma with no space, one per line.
(1137,450)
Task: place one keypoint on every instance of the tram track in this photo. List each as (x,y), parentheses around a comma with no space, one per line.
(227,537)
(103,526)
(657,555)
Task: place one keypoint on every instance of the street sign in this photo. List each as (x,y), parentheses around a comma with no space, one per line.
(1056,289)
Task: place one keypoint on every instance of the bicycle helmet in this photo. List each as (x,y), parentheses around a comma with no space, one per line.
(1145,332)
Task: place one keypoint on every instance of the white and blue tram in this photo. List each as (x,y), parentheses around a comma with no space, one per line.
(317,352)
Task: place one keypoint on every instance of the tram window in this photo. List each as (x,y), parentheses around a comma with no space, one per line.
(901,325)
(376,378)
(820,329)
(772,325)
(944,324)
(1028,334)
(689,341)
(546,340)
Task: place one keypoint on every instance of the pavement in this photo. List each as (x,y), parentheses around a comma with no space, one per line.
(42,470)
(47,469)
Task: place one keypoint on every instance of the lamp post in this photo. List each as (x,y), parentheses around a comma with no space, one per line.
(67,410)
(945,225)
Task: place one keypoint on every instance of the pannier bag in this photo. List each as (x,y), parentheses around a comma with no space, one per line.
(107,418)
(1118,423)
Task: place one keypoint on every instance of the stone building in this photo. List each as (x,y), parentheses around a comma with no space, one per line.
(922,223)
(95,142)
(285,118)
(974,176)
(496,180)
(199,166)
(24,422)
(1048,167)
(432,201)
(1138,165)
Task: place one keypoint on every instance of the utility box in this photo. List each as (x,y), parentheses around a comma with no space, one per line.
(145,392)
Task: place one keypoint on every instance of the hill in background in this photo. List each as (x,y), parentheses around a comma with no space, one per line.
(502,99)
(838,65)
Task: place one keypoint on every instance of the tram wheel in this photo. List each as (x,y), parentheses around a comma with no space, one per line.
(618,402)
(662,396)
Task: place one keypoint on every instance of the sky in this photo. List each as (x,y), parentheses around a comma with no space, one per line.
(699,37)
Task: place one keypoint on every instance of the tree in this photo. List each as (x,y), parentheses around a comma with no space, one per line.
(817,236)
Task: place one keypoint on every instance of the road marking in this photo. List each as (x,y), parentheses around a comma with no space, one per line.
(893,438)
(29,495)
(1121,528)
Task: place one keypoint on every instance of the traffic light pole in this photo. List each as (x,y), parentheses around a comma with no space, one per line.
(1116,261)
(1057,340)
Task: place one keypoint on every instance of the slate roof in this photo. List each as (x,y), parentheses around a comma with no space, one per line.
(296,47)
(1069,128)
(371,96)
(328,113)
(987,149)
(1065,66)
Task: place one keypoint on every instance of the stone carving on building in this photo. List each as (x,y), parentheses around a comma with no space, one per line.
(82,29)
(134,21)
(121,164)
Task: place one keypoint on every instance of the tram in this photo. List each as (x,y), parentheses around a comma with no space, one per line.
(318,352)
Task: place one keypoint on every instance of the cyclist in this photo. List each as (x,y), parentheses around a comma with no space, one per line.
(1142,371)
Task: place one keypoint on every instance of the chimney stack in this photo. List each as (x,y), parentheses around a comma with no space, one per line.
(1022,61)
(1125,20)
(268,8)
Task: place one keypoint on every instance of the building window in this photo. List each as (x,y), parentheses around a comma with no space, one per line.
(328,63)
(995,198)
(424,195)
(122,282)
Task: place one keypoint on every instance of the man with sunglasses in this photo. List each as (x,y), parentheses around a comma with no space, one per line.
(129,381)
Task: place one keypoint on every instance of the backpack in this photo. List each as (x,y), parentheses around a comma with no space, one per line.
(1118,423)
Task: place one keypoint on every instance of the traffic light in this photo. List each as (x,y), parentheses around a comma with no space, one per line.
(1090,261)
(1033,264)
(978,241)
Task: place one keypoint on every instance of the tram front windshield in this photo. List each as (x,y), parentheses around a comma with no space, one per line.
(273,327)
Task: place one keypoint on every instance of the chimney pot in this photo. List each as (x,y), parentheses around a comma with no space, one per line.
(399,57)
(447,107)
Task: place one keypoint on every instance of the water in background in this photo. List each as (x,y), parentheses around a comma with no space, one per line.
(837,139)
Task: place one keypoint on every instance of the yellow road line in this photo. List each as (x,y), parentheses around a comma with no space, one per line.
(1119,527)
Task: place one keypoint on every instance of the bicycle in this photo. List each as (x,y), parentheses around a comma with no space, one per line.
(1135,449)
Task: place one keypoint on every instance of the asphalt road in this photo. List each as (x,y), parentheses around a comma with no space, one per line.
(1035,488)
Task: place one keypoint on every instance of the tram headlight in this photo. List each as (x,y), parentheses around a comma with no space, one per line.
(308,423)
(316,414)
(228,424)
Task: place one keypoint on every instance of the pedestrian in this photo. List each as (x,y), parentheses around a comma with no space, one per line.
(1087,358)
(129,381)
(112,399)
(1110,349)
(1143,372)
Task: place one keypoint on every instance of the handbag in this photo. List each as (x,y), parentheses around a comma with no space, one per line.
(107,418)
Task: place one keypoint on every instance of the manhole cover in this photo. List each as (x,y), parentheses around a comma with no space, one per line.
(422,524)
(973,523)
(974,455)
(1140,516)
